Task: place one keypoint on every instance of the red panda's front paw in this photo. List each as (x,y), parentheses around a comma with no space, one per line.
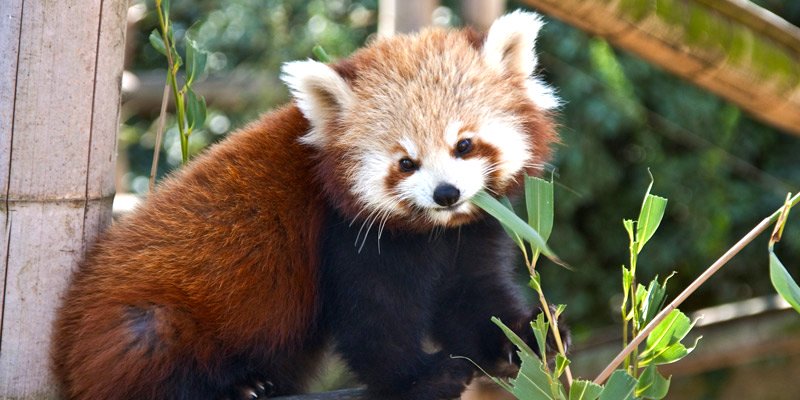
(252,390)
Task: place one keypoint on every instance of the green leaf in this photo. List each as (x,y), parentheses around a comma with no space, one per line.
(653,301)
(518,240)
(157,42)
(540,327)
(516,340)
(584,390)
(532,381)
(539,202)
(670,354)
(320,54)
(195,61)
(165,8)
(663,344)
(649,216)
(649,219)
(195,109)
(497,210)
(620,386)
(561,364)
(783,282)
(651,384)
(628,224)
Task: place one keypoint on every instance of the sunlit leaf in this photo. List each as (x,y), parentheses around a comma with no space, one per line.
(532,381)
(497,210)
(518,240)
(653,301)
(783,282)
(539,203)
(584,390)
(663,345)
(620,386)
(651,384)
(561,364)
(649,219)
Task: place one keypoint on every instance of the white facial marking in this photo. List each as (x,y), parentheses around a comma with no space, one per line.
(369,178)
(410,147)
(510,141)
(442,168)
(451,132)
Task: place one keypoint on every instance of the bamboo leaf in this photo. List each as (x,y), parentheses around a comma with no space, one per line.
(157,42)
(620,386)
(532,381)
(518,240)
(540,328)
(663,345)
(651,384)
(539,202)
(497,210)
(584,390)
(783,282)
(561,364)
(649,219)
(195,109)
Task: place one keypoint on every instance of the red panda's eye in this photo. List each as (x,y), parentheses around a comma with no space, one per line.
(407,165)
(463,146)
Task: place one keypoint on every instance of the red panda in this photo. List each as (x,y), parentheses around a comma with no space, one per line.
(343,218)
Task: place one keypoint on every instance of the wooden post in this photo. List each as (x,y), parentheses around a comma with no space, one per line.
(398,16)
(481,13)
(60,75)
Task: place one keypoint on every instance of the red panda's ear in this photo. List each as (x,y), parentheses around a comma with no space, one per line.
(320,93)
(510,47)
(510,42)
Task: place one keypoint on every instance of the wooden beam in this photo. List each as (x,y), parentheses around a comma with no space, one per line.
(59,109)
(732,48)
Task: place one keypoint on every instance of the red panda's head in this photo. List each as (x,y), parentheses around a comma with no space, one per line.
(408,129)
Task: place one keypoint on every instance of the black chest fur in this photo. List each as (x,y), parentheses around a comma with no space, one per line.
(381,300)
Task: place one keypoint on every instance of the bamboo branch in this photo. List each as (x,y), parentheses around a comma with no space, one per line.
(757,230)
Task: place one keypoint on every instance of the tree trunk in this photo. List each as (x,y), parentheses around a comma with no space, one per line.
(60,75)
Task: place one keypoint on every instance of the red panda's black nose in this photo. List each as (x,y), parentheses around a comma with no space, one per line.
(446,194)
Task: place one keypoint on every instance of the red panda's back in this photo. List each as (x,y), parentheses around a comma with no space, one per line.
(221,257)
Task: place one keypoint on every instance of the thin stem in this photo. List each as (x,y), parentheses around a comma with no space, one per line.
(556,333)
(766,222)
(172,79)
(553,322)
(162,116)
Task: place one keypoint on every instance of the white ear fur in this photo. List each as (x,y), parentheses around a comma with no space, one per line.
(510,43)
(511,47)
(320,93)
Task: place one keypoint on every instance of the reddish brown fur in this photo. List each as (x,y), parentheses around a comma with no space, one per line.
(227,248)
(223,256)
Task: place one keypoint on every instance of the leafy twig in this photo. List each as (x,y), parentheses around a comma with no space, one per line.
(758,229)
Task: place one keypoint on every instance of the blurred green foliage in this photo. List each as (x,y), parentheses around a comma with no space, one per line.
(722,170)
